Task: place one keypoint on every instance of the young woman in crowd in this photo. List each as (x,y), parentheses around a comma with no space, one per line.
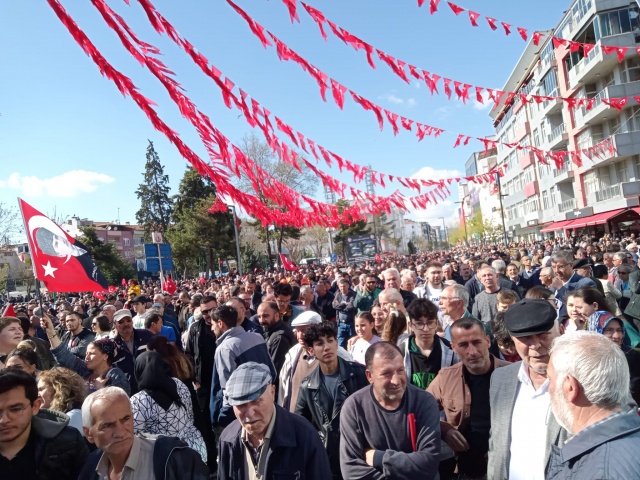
(379,318)
(581,303)
(24,358)
(100,326)
(64,391)
(365,337)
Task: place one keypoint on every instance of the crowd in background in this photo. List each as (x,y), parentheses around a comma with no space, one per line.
(434,364)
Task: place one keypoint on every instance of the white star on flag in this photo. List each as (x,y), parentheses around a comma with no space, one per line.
(48,269)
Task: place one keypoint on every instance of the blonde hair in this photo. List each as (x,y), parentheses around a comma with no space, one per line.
(69,388)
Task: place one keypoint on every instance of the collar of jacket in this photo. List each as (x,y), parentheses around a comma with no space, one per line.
(232,332)
(48,423)
(314,381)
(619,426)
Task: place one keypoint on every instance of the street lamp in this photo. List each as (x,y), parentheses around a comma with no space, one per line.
(445,230)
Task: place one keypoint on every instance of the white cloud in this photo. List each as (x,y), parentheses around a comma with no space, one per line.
(488,103)
(430,173)
(433,215)
(396,100)
(417,84)
(66,185)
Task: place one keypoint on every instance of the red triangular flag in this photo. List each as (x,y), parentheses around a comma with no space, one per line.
(287,264)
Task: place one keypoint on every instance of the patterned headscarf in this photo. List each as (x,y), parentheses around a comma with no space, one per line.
(109,347)
(599,320)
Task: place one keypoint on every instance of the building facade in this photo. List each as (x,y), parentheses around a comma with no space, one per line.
(126,238)
(574,199)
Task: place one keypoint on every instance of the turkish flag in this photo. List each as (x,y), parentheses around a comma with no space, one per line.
(9,311)
(61,262)
(170,286)
(124,283)
(288,264)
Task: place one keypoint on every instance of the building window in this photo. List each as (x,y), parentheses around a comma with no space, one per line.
(618,21)
(545,200)
(622,172)
(127,242)
(553,199)
(127,254)
(631,70)
(590,182)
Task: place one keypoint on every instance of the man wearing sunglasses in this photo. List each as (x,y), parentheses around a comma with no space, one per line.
(364,299)
(131,342)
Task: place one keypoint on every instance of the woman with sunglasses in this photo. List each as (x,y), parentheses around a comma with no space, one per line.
(100,326)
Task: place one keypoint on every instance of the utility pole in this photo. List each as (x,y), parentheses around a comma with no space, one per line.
(235,229)
(504,228)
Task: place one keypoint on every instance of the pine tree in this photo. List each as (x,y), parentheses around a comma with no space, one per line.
(106,257)
(156,208)
(352,230)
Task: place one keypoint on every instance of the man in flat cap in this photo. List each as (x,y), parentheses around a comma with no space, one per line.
(131,342)
(522,429)
(266,441)
(584,268)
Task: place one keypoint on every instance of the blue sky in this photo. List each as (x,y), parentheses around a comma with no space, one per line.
(70,142)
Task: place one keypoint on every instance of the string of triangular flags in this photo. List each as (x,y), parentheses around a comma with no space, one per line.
(432,80)
(285,53)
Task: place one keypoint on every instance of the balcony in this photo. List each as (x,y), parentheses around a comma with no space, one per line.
(521,132)
(564,174)
(608,193)
(587,70)
(526,159)
(557,137)
(568,205)
(600,110)
(624,145)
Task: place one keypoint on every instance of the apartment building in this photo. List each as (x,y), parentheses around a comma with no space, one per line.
(128,239)
(542,200)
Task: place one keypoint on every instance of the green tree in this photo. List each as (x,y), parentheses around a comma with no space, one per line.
(359,227)
(106,257)
(304,182)
(486,230)
(4,277)
(156,208)
(200,237)
(252,259)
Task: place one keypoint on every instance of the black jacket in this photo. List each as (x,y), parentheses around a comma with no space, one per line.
(172,460)
(315,404)
(126,360)
(344,305)
(280,339)
(201,349)
(60,450)
(79,343)
(407,297)
(325,303)
(295,451)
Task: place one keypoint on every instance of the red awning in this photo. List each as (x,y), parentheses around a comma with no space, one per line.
(636,209)
(597,219)
(555,226)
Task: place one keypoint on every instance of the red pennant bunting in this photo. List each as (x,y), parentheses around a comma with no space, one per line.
(492,23)
(536,38)
(318,17)
(507,28)
(338,93)
(292,7)
(473,17)
(393,120)
(455,8)
(523,33)
(433,6)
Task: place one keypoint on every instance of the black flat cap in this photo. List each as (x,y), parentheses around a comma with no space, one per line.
(530,317)
(582,263)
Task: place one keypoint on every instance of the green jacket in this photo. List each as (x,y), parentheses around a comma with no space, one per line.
(364,302)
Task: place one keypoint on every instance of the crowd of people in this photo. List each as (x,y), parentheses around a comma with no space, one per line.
(487,362)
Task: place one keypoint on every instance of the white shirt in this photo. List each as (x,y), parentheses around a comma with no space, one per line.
(360,347)
(529,429)
(138,320)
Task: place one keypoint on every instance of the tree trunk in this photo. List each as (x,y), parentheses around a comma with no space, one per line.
(268,245)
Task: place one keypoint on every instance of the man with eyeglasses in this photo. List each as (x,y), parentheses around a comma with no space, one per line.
(425,353)
(34,442)
(201,349)
(364,299)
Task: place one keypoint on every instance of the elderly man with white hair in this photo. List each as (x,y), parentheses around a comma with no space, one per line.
(392,279)
(589,388)
(107,421)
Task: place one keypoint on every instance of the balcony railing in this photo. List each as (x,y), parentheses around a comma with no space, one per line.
(567,205)
(559,171)
(556,132)
(608,193)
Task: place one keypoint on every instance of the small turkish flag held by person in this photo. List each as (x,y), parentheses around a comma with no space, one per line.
(60,261)
(170,286)
(378,259)
(98,295)
(112,289)
(287,264)
(124,282)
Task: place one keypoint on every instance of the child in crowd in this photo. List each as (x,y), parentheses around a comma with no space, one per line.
(502,338)
(506,298)
(364,324)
